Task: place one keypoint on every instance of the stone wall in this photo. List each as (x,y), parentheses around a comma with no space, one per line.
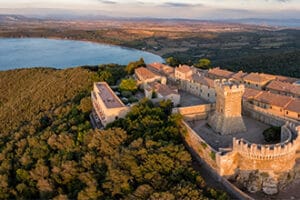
(208,157)
(197,89)
(191,113)
(274,158)
(262,115)
(201,148)
(256,167)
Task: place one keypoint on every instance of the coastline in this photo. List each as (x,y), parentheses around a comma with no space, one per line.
(91,41)
(112,53)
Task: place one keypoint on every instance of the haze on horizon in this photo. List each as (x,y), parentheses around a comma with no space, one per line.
(196,9)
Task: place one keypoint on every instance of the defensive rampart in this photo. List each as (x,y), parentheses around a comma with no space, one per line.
(228,86)
(191,113)
(275,158)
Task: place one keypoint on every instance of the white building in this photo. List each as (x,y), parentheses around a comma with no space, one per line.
(107,107)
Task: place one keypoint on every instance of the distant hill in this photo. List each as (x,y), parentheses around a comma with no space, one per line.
(17,18)
(295,23)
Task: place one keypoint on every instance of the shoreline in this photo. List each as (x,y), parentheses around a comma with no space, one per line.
(86,40)
(145,54)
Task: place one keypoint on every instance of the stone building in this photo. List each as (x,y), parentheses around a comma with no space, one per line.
(238,77)
(200,86)
(145,76)
(257,80)
(107,107)
(218,73)
(158,92)
(284,88)
(227,119)
(270,104)
(161,69)
(183,72)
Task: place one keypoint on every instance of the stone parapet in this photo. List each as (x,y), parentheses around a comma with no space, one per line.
(228,86)
(282,150)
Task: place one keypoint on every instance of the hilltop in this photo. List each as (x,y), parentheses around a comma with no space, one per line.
(48,149)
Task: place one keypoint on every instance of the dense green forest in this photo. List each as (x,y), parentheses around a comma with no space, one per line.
(274,52)
(49,150)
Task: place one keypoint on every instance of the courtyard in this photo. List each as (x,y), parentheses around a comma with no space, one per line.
(187,99)
(216,140)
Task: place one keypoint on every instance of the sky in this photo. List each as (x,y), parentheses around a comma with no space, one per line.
(197,9)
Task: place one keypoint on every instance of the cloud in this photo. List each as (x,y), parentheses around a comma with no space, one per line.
(234,11)
(107,2)
(180,5)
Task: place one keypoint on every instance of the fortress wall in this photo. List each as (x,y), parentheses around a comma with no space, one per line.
(209,159)
(195,112)
(200,147)
(279,157)
(247,156)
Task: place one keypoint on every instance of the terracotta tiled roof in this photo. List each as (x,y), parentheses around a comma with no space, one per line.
(284,87)
(183,68)
(294,106)
(286,79)
(220,72)
(155,65)
(160,68)
(163,90)
(145,73)
(258,78)
(201,79)
(273,99)
(239,76)
(251,93)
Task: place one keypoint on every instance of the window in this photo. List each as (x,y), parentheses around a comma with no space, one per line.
(287,112)
(208,94)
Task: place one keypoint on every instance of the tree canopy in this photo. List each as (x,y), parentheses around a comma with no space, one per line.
(128,85)
(133,65)
(172,61)
(204,63)
(51,152)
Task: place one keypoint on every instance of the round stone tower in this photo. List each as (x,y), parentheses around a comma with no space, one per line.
(227,119)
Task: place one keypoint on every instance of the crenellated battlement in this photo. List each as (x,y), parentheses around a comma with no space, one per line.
(228,86)
(227,118)
(286,148)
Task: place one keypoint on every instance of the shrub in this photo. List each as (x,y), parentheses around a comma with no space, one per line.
(213,155)
(272,134)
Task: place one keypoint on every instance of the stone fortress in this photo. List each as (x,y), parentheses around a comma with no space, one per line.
(227,118)
(225,129)
(244,157)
